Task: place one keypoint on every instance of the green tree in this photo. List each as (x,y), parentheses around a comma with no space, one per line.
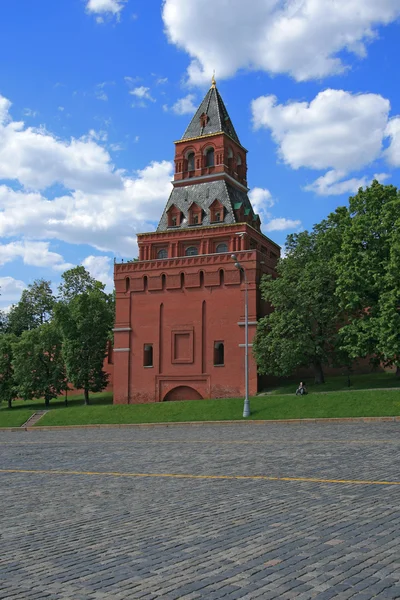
(86,322)
(34,308)
(77,281)
(368,275)
(39,367)
(8,387)
(303,328)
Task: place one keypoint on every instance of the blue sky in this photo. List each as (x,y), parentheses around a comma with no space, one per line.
(94,92)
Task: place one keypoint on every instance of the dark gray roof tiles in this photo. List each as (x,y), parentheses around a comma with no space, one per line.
(204,195)
(218,118)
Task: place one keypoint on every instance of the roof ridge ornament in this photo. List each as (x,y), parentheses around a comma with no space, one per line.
(213,82)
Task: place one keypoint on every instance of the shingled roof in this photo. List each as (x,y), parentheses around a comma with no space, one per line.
(204,194)
(218,120)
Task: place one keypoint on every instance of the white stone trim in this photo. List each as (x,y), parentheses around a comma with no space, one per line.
(244,345)
(242,323)
(122,349)
(122,329)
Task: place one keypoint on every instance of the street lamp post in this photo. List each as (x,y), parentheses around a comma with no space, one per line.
(246,408)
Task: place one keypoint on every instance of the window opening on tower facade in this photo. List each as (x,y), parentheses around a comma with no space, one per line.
(219,351)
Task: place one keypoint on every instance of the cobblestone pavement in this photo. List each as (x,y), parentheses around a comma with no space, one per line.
(85,536)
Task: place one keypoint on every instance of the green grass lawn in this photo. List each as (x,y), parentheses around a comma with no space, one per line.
(340,382)
(14,418)
(336,404)
(341,402)
(22,410)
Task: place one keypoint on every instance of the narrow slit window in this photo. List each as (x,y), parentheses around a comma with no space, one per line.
(190,160)
(219,358)
(210,157)
(148,355)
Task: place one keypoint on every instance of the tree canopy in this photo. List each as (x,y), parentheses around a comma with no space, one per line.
(302,330)
(34,308)
(337,295)
(38,363)
(86,322)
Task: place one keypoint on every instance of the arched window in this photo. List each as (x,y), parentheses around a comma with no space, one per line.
(221,277)
(145,283)
(127,284)
(221,248)
(163,253)
(190,160)
(219,358)
(201,278)
(182,280)
(238,160)
(163,281)
(191,251)
(210,157)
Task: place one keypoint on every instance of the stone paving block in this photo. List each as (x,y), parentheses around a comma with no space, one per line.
(75,537)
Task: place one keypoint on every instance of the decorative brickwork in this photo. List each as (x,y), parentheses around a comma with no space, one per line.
(184,297)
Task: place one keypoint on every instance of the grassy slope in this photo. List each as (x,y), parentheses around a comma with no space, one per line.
(275,405)
(339,404)
(333,384)
(21,410)
(14,418)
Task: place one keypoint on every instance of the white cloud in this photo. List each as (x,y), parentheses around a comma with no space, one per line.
(10,290)
(337,131)
(302,38)
(101,206)
(143,94)
(281,224)
(104,7)
(108,220)
(185,106)
(262,200)
(334,183)
(100,268)
(37,159)
(28,112)
(393,132)
(35,254)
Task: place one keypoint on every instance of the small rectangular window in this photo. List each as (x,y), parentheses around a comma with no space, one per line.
(219,359)
(148,355)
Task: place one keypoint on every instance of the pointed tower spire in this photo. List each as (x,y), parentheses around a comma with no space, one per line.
(211,117)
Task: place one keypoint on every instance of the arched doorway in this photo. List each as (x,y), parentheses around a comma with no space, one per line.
(182,392)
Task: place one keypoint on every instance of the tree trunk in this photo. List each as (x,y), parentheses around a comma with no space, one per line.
(9,403)
(398,371)
(86,396)
(46,402)
(319,376)
(66,397)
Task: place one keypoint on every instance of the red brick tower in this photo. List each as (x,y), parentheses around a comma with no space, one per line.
(179,332)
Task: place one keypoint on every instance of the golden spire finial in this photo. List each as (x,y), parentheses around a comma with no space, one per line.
(213,82)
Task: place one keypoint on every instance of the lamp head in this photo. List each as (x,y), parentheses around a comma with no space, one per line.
(234,257)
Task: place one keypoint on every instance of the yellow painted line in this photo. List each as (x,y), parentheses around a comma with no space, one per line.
(229,442)
(189,476)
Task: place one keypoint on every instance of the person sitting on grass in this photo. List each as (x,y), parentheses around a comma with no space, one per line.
(301,390)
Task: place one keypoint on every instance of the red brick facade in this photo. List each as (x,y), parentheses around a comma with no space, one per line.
(179,330)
